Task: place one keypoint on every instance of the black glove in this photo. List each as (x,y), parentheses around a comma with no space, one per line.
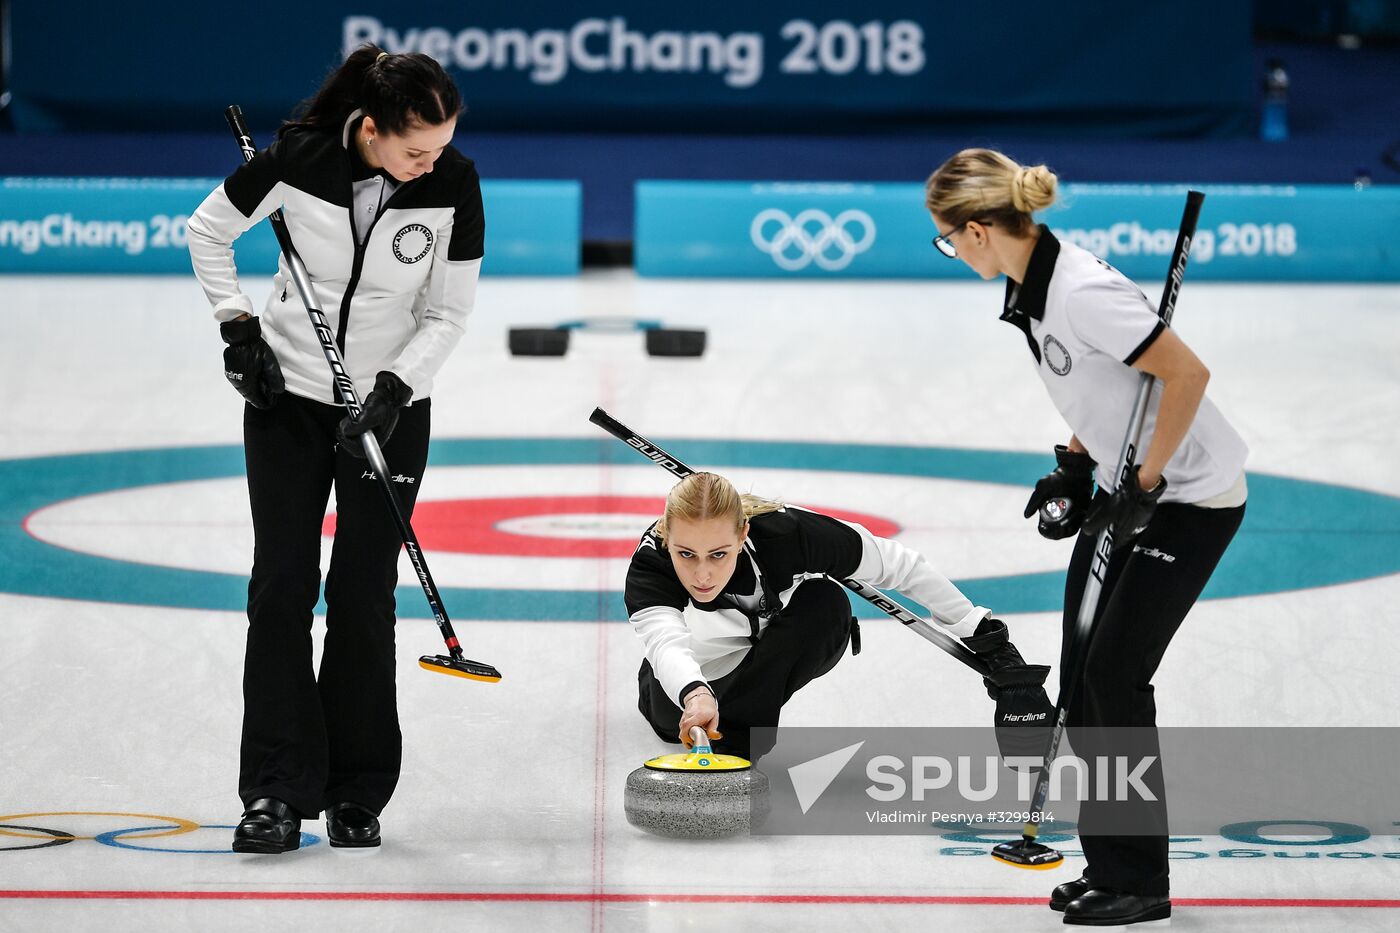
(1024,716)
(380,412)
(249,363)
(1128,510)
(1068,491)
(992,644)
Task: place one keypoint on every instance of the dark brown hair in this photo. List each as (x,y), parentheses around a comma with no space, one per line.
(396,90)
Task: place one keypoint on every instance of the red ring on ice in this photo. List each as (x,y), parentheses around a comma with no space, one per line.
(473,526)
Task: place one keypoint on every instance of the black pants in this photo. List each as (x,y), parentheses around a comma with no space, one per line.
(800,644)
(1149,588)
(311,740)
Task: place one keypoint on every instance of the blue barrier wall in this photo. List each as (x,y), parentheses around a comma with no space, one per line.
(1318,233)
(137,225)
(813,65)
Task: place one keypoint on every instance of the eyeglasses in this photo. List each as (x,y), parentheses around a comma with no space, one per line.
(944,241)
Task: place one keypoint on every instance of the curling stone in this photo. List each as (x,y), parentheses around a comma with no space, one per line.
(698,795)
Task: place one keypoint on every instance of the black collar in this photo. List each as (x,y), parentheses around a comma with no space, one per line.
(1026,300)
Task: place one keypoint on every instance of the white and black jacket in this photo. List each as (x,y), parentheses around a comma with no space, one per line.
(398,302)
(688,642)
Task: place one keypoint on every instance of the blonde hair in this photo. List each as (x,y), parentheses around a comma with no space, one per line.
(983,184)
(701,497)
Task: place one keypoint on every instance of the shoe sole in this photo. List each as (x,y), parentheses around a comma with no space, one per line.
(1164,912)
(353,845)
(256,847)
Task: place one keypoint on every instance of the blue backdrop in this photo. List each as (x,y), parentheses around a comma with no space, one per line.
(814,65)
(1247,233)
(137,225)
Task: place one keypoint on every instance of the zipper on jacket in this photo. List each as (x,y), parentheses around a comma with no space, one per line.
(357,266)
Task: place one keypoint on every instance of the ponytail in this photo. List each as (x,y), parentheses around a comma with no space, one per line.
(397,91)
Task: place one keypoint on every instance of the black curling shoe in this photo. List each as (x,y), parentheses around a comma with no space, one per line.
(268,827)
(351,826)
(1067,892)
(1100,907)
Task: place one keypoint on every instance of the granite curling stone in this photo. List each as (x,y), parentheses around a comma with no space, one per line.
(699,795)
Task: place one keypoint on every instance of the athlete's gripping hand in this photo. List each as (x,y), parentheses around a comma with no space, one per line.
(992,643)
(1023,710)
(380,412)
(1128,510)
(1068,490)
(701,709)
(249,363)
(1024,715)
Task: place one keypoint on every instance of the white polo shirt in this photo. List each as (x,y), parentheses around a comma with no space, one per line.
(1086,324)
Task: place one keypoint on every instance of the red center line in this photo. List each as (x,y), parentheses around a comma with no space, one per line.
(620,898)
(600,707)
(600,732)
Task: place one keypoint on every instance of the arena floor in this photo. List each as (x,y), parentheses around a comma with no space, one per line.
(125,543)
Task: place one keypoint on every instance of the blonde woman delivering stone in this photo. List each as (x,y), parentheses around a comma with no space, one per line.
(735,601)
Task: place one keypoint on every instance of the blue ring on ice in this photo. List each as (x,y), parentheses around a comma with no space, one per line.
(1298,534)
(113,839)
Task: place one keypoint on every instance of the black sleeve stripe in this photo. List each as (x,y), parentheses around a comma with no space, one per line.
(468,223)
(680,700)
(252,181)
(1142,347)
(830,545)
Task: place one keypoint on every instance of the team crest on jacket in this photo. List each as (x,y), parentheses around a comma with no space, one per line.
(1056,356)
(412,243)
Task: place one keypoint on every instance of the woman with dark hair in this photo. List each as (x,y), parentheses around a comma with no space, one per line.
(1091,334)
(387,217)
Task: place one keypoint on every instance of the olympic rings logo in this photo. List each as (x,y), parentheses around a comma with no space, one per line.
(39,837)
(813,236)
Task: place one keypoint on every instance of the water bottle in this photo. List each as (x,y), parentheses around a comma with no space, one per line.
(1273,125)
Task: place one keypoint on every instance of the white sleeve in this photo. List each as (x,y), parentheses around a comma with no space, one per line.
(212,228)
(888,564)
(666,641)
(449,298)
(1112,315)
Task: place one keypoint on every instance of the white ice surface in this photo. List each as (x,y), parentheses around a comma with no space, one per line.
(510,810)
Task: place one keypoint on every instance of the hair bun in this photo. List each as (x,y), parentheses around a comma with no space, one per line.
(1032,188)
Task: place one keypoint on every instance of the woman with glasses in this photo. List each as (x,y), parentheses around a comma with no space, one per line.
(1091,333)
